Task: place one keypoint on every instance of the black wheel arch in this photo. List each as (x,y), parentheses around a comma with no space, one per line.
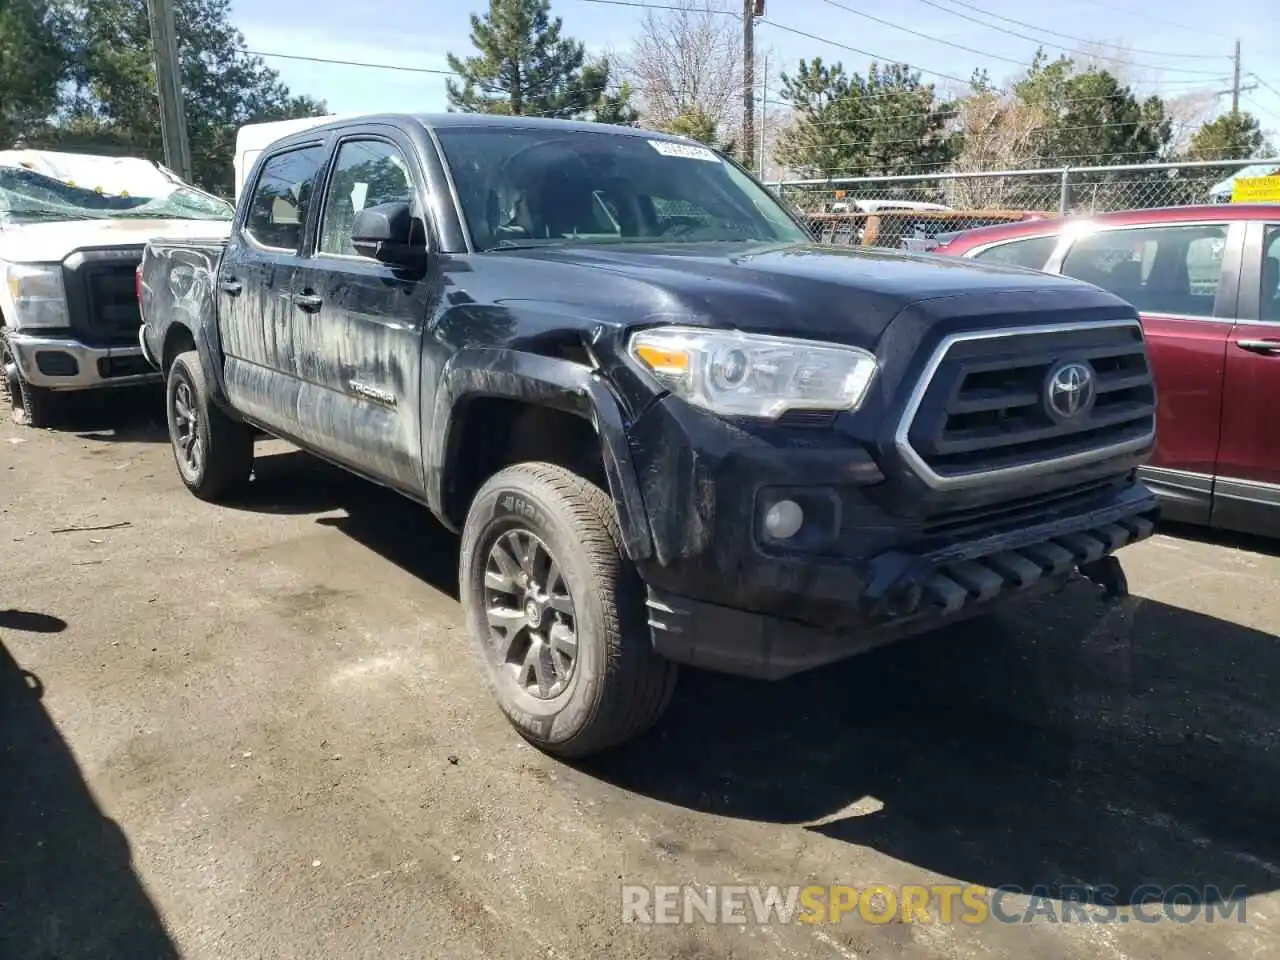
(526,389)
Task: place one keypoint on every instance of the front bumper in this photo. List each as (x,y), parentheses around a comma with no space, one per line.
(64,363)
(914,595)
(882,565)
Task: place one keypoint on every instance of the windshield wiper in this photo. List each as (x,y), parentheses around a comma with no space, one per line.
(50,214)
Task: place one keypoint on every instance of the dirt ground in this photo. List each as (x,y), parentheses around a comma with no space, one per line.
(256,731)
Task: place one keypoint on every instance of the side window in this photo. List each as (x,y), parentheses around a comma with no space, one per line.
(1169,270)
(1269,304)
(1033,252)
(282,196)
(368,173)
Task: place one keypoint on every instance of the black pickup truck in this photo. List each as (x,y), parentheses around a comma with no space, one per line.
(669,428)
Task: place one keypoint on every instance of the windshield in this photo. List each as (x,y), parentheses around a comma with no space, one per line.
(27,196)
(525,187)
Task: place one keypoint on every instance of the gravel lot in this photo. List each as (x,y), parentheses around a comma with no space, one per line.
(256,731)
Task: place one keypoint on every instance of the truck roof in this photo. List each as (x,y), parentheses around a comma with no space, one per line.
(441,121)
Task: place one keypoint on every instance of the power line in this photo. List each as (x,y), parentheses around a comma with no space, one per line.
(1264,84)
(1068,36)
(1146,15)
(926,36)
(664,6)
(860,52)
(924,70)
(1263,108)
(1058,46)
(352,63)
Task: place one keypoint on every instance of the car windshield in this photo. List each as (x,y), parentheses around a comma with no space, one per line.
(27,196)
(533,186)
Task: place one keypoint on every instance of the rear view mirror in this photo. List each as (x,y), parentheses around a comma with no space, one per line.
(386,232)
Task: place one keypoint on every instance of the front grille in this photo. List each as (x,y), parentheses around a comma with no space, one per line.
(1006,514)
(102,296)
(985,405)
(113,299)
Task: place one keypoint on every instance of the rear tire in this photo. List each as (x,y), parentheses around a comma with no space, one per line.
(575,594)
(213,452)
(28,406)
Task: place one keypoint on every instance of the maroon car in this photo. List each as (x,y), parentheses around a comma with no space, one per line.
(1205,281)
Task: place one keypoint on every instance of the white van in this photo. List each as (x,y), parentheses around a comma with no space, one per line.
(253,138)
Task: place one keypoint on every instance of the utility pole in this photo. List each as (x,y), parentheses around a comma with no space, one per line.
(749,80)
(1235,83)
(764,110)
(173,118)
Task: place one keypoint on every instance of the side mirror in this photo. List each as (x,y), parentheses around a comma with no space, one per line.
(386,233)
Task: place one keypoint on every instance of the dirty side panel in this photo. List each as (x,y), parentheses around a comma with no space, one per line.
(357,357)
(178,283)
(254,291)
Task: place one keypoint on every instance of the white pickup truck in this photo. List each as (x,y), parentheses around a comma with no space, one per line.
(72,231)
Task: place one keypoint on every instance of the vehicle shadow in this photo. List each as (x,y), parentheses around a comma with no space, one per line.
(1063,743)
(294,483)
(1248,542)
(129,415)
(404,532)
(67,887)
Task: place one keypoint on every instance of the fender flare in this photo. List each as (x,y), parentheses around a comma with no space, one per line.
(209,361)
(553,382)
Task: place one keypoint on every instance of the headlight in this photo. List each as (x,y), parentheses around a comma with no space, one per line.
(740,374)
(35,290)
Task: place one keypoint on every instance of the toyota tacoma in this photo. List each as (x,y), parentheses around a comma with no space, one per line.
(669,428)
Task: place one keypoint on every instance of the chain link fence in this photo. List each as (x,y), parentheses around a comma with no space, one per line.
(891,211)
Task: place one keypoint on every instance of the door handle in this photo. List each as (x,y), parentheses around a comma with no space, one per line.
(1270,348)
(231,286)
(309,302)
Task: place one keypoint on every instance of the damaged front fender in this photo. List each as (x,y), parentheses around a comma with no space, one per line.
(539,381)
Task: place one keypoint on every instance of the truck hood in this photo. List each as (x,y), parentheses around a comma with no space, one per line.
(845,294)
(52,242)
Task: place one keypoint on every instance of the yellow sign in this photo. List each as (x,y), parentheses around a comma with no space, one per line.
(1256,190)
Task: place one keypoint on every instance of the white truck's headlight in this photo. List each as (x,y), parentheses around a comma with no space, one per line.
(35,291)
(750,375)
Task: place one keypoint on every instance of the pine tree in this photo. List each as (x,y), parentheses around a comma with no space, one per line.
(526,67)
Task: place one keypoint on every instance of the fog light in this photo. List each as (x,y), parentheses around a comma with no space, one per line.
(784,520)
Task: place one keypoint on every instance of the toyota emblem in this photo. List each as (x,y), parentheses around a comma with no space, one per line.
(1069,390)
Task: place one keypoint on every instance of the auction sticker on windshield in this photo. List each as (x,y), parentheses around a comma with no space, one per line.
(686,150)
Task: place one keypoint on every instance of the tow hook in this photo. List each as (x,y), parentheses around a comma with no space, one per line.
(1109,575)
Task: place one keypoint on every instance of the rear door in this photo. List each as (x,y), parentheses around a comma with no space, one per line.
(256,286)
(358,329)
(1180,277)
(1247,489)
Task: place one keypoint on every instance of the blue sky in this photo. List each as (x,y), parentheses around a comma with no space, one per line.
(1186,44)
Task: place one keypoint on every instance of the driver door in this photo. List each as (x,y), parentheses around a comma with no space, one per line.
(358,329)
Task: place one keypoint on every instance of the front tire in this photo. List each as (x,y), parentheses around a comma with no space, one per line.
(214,453)
(556,613)
(29,406)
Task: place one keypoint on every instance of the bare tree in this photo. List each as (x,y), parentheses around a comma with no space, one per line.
(999,132)
(1188,113)
(686,62)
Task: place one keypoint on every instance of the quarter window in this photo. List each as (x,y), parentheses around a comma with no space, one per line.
(368,173)
(281,198)
(1269,304)
(1033,252)
(1161,270)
